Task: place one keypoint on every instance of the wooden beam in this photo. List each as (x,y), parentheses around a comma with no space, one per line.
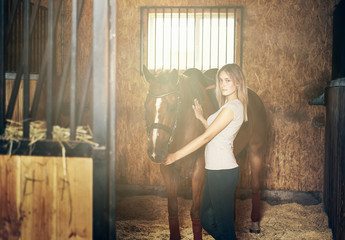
(74,68)
(50,45)
(112,121)
(2,68)
(100,118)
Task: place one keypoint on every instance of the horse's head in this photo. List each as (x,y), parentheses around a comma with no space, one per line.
(162,108)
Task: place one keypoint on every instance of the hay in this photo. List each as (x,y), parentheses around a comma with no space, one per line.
(146,217)
(14,132)
(38,130)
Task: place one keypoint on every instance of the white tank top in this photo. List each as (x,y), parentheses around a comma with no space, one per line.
(219,151)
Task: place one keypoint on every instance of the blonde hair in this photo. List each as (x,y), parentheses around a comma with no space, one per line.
(237,76)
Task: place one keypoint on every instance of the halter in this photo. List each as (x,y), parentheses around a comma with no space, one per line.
(170,130)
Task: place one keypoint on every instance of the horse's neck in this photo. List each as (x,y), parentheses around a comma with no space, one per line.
(188,126)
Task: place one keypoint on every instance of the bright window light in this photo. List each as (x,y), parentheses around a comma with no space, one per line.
(191,38)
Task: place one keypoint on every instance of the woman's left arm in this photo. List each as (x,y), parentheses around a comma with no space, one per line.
(221,121)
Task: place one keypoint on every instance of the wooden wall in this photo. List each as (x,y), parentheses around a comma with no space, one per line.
(39,200)
(287,61)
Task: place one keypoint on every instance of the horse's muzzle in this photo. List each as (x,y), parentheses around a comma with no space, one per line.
(157,156)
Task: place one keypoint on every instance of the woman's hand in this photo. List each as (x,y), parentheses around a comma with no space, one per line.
(199,113)
(171,158)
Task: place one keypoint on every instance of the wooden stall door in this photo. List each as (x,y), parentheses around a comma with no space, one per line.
(40,198)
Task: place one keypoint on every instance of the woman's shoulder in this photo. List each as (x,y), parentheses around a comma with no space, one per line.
(235,102)
(235,105)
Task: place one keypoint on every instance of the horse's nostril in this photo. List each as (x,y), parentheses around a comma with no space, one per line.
(157,156)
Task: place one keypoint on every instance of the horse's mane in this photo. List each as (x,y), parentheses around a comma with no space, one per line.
(206,79)
(194,86)
(205,84)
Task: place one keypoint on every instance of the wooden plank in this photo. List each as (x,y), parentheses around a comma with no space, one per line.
(9,208)
(40,199)
(74,199)
(37,199)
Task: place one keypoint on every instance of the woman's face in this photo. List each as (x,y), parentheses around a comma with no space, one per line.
(226,84)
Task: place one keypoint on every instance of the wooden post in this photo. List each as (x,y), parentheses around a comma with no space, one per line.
(112,123)
(2,68)
(26,53)
(50,44)
(74,50)
(101,223)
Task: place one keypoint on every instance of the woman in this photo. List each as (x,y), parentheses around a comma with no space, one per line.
(222,172)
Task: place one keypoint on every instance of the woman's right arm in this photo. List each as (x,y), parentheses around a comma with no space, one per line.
(222,120)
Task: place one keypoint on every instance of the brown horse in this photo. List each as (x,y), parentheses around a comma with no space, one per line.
(171,124)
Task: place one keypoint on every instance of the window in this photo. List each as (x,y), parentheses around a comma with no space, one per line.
(190,37)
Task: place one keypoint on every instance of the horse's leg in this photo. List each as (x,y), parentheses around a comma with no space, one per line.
(198,181)
(171,180)
(256,160)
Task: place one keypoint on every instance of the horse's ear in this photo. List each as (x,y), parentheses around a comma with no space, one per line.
(174,75)
(148,76)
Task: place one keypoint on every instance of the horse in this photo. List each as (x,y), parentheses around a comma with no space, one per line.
(170,124)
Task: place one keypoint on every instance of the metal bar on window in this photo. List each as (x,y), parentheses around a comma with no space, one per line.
(241,37)
(194,37)
(218,38)
(179,36)
(155,53)
(210,56)
(187,39)
(171,20)
(141,40)
(147,33)
(226,36)
(163,38)
(235,36)
(202,40)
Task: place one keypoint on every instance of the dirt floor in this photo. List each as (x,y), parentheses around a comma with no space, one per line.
(146,217)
